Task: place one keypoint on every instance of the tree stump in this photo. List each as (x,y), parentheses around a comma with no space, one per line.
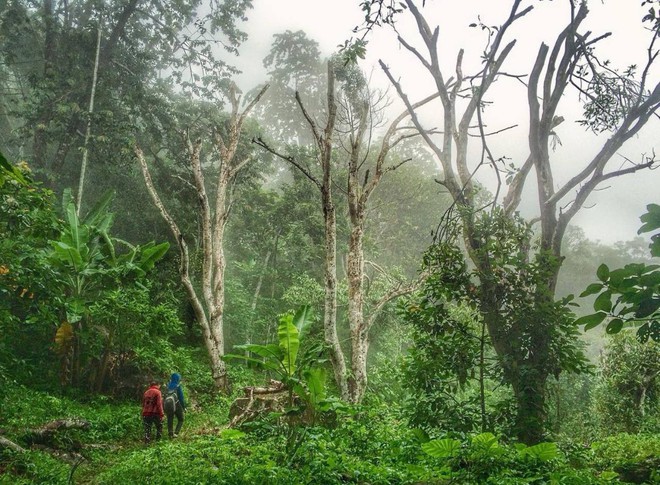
(258,402)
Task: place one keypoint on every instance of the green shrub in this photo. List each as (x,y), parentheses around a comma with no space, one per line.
(635,458)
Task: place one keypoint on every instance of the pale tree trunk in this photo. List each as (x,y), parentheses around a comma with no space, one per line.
(324,143)
(209,306)
(88,130)
(361,184)
(352,385)
(358,332)
(330,301)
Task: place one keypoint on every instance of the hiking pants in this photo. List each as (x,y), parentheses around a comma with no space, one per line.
(178,412)
(149,421)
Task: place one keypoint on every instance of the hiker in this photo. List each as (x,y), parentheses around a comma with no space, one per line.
(175,404)
(152,411)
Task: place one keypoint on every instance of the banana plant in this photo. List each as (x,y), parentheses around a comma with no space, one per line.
(86,256)
(303,375)
(279,358)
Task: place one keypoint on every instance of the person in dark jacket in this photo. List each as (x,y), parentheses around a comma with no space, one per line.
(175,405)
(152,411)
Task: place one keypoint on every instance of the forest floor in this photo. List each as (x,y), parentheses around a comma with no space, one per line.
(370,445)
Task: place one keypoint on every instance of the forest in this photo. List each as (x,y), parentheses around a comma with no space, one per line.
(340,272)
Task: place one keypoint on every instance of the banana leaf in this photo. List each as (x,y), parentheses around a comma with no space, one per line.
(288,336)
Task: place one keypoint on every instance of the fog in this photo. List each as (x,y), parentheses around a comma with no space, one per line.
(611,213)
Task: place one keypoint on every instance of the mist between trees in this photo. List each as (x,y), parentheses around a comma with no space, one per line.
(402,233)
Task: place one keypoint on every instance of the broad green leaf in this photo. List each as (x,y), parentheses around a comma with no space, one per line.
(287,333)
(259,363)
(647,307)
(644,332)
(445,448)
(486,444)
(603,272)
(543,451)
(420,435)
(303,319)
(592,289)
(654,331)
(315,380)
(609,476)
(97,216)
(651,219)
(269,351)
(68,253)
(603,302)
(151,254)
(655,246)
(614,326)
(650,279)
(7,170)
(617,276)
(591,321)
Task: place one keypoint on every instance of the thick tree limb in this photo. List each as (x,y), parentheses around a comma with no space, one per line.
(184,264)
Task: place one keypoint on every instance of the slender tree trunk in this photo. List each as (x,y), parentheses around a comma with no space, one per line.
(88,130)
(103,365)
(482,377)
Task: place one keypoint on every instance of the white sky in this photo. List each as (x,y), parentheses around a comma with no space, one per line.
(615,212)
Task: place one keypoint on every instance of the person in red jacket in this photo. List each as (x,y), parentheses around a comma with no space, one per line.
(152,411)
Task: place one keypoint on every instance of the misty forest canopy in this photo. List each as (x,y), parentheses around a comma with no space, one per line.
(364,273)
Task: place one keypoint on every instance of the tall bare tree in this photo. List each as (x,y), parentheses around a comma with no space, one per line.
(614,103)
(357,112)
(208,304)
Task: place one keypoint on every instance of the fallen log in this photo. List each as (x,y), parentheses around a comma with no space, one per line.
(70,457)
(6,443)
(45,434)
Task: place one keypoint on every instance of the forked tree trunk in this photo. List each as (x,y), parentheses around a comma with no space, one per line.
(209,306)
(553,70)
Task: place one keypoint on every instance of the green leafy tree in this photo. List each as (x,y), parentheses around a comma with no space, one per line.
(449,349)
(30,288)
(629,296)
